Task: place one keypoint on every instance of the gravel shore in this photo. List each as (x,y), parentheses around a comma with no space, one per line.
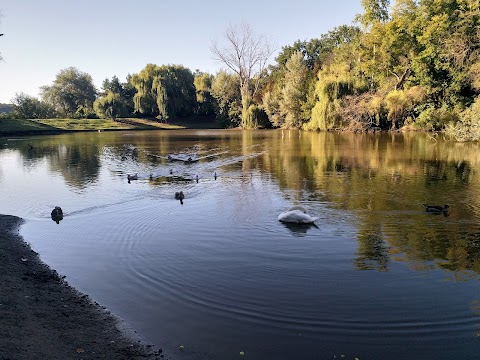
(42,317)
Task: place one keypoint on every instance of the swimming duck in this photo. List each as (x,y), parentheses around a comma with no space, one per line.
(297,214)
(436,209)
(132,177)
(57,211)
(180,196)
(57,214)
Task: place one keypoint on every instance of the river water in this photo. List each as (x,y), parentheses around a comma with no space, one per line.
(376,277)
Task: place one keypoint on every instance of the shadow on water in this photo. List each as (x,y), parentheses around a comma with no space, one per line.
(300,229)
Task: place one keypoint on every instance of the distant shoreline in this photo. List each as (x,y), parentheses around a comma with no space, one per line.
(25,127)
(43,317)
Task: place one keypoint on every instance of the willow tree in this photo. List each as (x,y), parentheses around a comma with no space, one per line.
(203,90)
(145,98)
(111,105)
(164,91)
(246,55)
(334,83)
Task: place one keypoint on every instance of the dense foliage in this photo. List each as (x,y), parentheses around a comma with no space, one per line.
(72,93)
(409,63)
(417,65)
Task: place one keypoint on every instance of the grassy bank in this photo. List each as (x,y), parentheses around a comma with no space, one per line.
(51,126)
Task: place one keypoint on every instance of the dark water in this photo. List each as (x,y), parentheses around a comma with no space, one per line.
(378,278)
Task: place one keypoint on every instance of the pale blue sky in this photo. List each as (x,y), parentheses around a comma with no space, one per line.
(118,37)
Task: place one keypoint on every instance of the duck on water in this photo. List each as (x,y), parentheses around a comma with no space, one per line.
(180,196)
(57,214)
(132,177)
(437,209)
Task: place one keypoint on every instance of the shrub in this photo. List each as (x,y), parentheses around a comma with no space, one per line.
(467,128)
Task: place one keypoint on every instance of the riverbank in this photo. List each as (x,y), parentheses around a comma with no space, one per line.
(19,127)
(42,317)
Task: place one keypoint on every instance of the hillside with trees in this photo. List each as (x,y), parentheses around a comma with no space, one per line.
(404,64)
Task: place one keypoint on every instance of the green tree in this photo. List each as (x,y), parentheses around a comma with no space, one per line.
(291,93)
(374,11)
(294,92)
(468,126)
(203,89)
(334,83)
(116,99)
(164,91)
(317,51)
(128,94)
(228,105)
(145,97)
(72,93)
(111,106)
(29,107)
(113,86)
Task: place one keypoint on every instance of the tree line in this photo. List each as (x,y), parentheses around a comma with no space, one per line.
(406,63)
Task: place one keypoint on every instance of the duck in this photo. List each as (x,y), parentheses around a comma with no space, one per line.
(436,209)
(298,215)
(57,214)
(132,177)
(57,211)
(180,196)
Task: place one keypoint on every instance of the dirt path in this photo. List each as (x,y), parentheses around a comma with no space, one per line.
(42,317)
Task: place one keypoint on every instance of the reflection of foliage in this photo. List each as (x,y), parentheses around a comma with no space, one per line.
(372,253)
(463,252)
(77,162)
(453,250)
(381,178)
(381,175)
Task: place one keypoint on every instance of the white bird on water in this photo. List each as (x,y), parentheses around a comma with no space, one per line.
(297,215)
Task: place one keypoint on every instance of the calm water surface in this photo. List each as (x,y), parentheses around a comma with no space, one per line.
(377,278)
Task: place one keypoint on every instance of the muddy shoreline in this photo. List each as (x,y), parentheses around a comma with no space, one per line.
(43,317)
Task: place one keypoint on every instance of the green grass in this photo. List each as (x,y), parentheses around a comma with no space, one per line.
(8,126)
(24,127)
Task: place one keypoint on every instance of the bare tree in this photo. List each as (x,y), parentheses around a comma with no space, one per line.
(246,55)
